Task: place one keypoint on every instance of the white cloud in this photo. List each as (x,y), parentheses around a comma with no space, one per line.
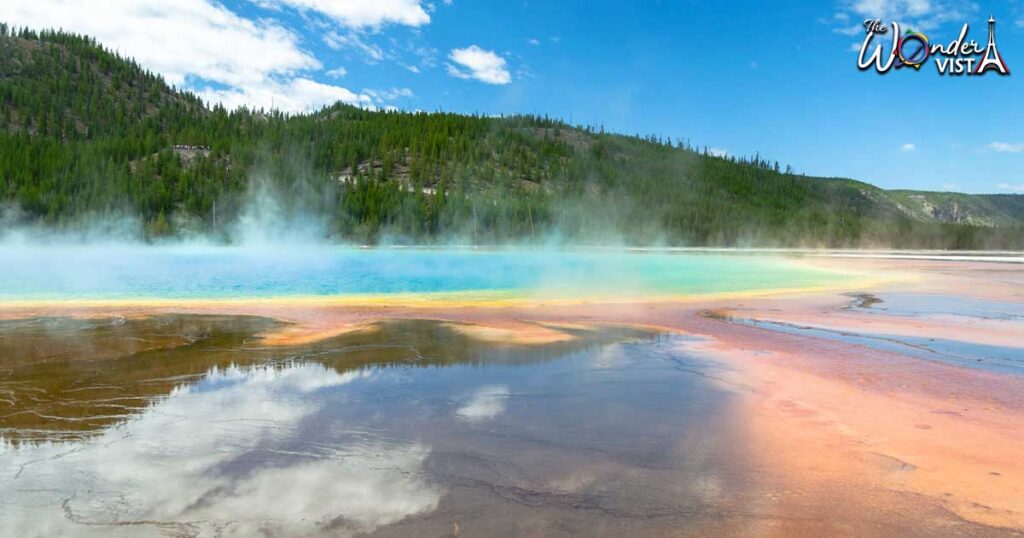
(363,13)
(477,63)
(353,40)
(718,152)
(1018,187)
(1005,147)
(486,403)
(533,41)
(337,72)
(197,44)
(908,147)
(295,95)
(189,38)
(886,9)
(382,96)
(917,14)
(953,187)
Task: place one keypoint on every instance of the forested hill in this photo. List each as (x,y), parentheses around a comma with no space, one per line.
(85,135)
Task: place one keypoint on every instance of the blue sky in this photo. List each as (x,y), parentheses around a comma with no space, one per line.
(779,78)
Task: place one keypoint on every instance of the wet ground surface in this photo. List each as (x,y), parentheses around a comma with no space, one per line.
(189,425)
(1000,359)
(186,425)
(945,347)
(930,304)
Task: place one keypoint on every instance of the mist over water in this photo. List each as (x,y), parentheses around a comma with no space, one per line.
(280,245)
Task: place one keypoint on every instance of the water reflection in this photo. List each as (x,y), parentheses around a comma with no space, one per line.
(486,403)
(407,429)
(226,454)
(66,378)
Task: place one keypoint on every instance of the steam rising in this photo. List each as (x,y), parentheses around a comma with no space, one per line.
(268,219)
(281,244)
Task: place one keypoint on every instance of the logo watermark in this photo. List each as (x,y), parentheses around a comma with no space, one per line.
(959,57)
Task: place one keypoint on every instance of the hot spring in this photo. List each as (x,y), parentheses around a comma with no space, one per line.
(134,272)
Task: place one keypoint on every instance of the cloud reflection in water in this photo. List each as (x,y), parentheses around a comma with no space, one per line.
(486,403)
(222,456)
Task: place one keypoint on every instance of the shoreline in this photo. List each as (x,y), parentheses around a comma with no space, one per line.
(496,299)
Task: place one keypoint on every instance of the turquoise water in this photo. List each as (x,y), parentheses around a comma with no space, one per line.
(146,272)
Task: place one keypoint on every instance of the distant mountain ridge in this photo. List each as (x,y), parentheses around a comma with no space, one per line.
(85,133)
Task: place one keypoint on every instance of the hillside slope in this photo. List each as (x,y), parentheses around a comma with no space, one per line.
(86,134)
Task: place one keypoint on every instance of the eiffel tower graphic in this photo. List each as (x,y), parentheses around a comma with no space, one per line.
(992,59)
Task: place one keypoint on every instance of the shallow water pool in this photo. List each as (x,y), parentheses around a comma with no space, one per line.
(126,272)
